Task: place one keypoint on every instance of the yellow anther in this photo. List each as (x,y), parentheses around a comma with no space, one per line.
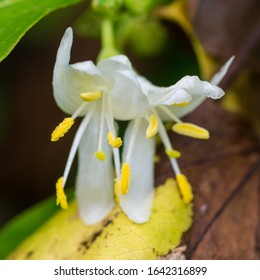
(181,104)
(125,178)
(62,129)
(191,130)
(116,191)
(91,96)
(100,155)
(172,153)
(153,126)
(185,188)
(114,142)
(61,196)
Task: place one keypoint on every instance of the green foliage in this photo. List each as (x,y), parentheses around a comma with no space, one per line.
(26,223)
(18,16)
(23,225)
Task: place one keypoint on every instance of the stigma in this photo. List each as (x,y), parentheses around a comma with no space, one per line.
(114,142)
(100,155)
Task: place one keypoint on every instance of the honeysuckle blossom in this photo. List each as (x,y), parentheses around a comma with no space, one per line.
(99,94)
(112,90)
(166,104)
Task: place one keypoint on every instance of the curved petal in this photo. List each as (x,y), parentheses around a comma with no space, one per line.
(139,153)
(168,96)
(180,92)
(128,100)
(94,184)
(193,85)
(71,80)
(216,79)
(163,95)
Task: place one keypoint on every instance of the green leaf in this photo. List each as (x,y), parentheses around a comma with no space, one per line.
(18,16)
(26,223)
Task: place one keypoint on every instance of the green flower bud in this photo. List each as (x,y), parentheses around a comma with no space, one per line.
(107,7)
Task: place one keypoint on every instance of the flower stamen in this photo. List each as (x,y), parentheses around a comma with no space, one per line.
(153,127)
(66,124)
(172,153)
(99,153)
(185,188)
(111,127)
(114,142)
(170,113)
(192,130)
(62,129)
(125,178)
(168,146)
(61,196)
(116,191)
(91,96)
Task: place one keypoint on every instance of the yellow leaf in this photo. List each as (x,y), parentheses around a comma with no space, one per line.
(65,237)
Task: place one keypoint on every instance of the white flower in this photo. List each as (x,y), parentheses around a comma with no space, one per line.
(168,103)
(112,90)
(100,94)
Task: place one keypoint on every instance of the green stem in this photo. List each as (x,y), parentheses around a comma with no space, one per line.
(107,34)
(108,46)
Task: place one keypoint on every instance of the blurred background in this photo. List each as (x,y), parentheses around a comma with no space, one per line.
(30,163)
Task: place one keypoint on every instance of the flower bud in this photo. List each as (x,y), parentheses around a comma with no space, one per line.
(107,7)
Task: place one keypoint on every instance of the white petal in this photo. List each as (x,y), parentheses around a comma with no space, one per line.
(182,111)
(128,100)
(71,80)
(193,85)
(164,95)
(94,184)
(198,99)
(216,79)
(63,54)
(139,153)
(147,86)
(110,66)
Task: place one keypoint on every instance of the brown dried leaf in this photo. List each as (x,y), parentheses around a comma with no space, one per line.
(224,172)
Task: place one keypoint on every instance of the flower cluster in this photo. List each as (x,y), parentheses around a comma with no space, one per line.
(109,91)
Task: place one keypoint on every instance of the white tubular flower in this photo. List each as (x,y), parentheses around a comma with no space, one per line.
(169,104)
(100,94)
(112,90)
(165,104)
